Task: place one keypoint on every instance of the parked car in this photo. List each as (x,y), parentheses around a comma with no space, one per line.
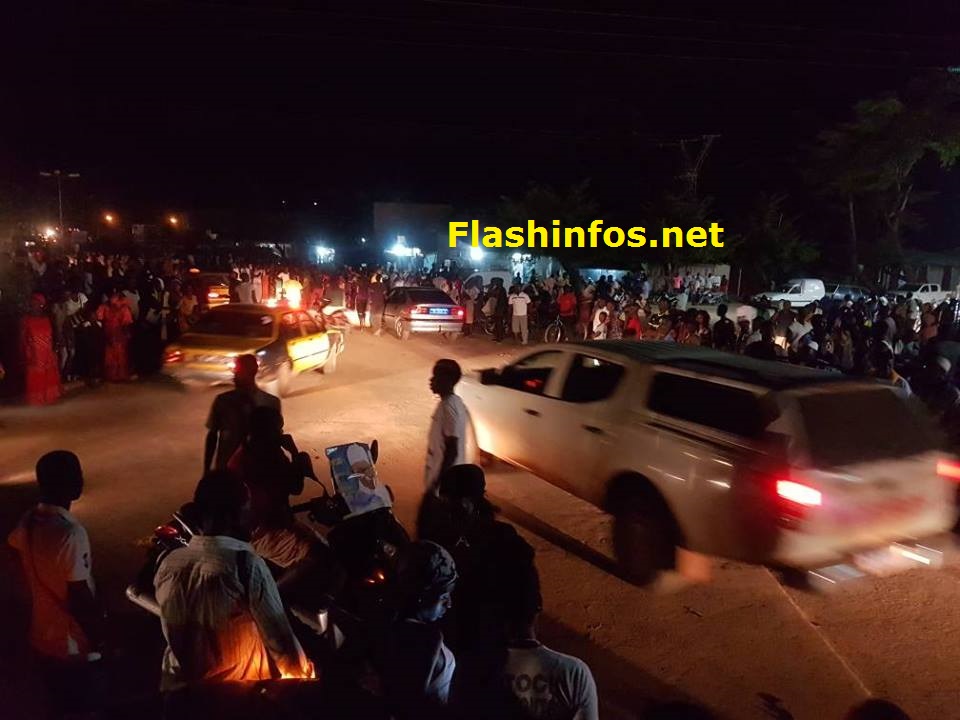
(758,461)
(840,292)
(923,292)
(796,292)
(422,310)
(213,288)
(286,341)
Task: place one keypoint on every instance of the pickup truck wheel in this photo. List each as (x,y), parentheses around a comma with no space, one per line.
(644,535)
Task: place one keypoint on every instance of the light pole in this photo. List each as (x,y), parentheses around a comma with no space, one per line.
(59,175)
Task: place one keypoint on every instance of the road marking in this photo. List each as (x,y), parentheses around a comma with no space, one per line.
(851,671)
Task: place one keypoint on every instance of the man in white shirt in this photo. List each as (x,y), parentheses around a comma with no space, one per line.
(519,301)
(447,438)
(66,623)
(220,608)
(547,684)
(245,289)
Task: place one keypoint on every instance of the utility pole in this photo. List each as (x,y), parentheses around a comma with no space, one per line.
(59,175)
(692,165)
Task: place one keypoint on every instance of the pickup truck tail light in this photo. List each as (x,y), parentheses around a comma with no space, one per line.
(949,469)
(799,494)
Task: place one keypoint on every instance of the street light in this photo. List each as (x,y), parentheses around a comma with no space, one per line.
(173,220)
(59,175)
(109,218)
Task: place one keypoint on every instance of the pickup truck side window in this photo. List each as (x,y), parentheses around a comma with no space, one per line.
(795,290)
(591,379)
(532,373)
(720,407)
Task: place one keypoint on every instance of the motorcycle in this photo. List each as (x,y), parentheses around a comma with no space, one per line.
(365,537)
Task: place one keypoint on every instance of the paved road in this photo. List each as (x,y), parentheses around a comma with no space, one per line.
(742,644)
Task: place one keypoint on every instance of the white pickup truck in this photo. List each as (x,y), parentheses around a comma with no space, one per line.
(924,292)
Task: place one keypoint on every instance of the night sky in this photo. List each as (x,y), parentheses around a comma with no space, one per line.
(204,104)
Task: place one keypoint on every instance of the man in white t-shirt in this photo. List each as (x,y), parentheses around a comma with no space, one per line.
(548,685)
(519,301)
(447,438)
(66,622)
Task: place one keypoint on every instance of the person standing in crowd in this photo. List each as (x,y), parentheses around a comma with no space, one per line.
(724,331)
(545,683)
(447,437)
(469,298)
(116,318)
(377,302)
(37,354)
(245,289)
(567,309)
(498,294)
(220,609)
(229,421)
(519,302)
(764,348)
(187,308)
(66,627)
(417,667)
(363,299)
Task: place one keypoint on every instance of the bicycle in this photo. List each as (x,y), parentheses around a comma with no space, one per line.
(555,332)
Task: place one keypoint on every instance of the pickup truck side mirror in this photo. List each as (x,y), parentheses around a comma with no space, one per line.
(489,376)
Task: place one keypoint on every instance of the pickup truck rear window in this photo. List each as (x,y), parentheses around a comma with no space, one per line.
(721,407)
(859,425)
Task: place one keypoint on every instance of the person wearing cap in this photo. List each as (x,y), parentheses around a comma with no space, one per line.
(229,420)
(36,349)
(416,666)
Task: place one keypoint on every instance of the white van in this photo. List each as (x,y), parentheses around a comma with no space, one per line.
(797,292)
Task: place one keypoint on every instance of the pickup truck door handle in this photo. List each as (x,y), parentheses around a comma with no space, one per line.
(593,429)
(529,411)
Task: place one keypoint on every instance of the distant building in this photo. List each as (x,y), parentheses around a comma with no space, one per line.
(420,226)
(933,267)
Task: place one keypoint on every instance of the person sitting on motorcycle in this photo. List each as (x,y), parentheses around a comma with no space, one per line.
(220,609)
(273,469)
(415,664)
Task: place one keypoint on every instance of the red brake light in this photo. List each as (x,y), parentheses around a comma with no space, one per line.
(458,312)
(421,310)
(173,356)
(166,532)
(799,493)
(948,469)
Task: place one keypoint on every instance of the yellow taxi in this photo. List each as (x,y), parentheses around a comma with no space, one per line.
(287,342)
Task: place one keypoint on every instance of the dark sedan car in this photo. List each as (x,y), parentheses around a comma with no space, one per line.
(422,310)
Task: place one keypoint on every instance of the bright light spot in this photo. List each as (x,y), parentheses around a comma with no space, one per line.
(910,555)
(49,233)
(476,253)
(173,220)
(400,249)
(517,257)
(363,240)
(271,302)
(799,493)
(324,254)
(314,203)
(108,217)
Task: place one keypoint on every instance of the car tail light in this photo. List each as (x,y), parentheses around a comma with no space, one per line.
(458,312)
(213,295)
(421,310)
(799,494)
(174,356)
(166,532)
(948,469)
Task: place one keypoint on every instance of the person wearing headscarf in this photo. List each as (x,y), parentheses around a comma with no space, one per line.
(116,317)
(36,350)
